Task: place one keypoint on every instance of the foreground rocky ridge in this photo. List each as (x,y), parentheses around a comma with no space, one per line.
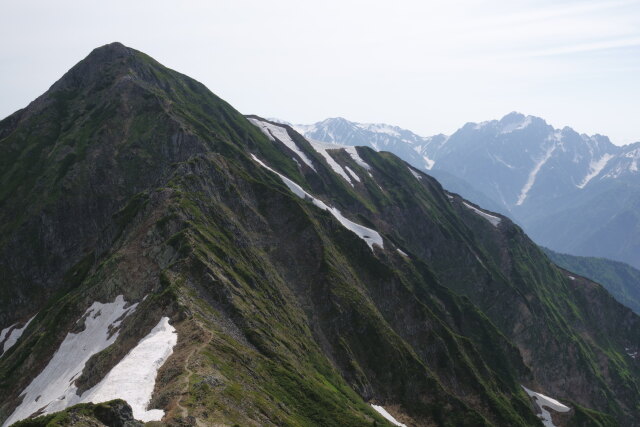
(127,178)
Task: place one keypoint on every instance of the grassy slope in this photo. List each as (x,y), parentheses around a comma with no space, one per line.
(296,321)
(620,279)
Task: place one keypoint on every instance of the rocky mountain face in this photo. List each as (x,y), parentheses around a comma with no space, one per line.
(209,268)
(572,192)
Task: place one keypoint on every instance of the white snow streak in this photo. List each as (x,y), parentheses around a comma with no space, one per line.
(416,174)
(494,220)
(428,162)
(13,336)
(4,332)
(53,389)
(532,175)
(595,167)
(371,237)
(322,148)
(545,403)
(273,131)
(353,152)
(498,159)
(387,415)
(352,173)
(134,377)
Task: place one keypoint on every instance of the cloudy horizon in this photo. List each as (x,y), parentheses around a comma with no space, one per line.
(428,68)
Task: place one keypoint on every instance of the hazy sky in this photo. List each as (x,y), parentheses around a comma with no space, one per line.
(429,66)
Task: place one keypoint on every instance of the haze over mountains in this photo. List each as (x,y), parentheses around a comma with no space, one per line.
(262,278)
(571,192)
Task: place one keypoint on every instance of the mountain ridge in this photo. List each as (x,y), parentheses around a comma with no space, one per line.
(144,195)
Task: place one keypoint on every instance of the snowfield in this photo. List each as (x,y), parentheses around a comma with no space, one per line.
(12,335)
(387,415)
(132,379)
(545,403)
(53,389)
(273,131)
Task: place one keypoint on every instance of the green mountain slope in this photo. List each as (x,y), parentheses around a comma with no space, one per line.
(127,178)
(620,279)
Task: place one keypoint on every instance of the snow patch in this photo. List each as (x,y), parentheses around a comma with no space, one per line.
(401,252)
(571,278)
(352,173)
(371,237)
(534,172)
(387,415)
(53,389)
(595,167)
(545,403)
(494,220)
(134,377)
(428,162)
(13,334)
(353,152)
(415,174)
(281,134)
(4,332)
(322,149)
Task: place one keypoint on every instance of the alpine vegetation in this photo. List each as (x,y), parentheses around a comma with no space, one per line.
(167,259)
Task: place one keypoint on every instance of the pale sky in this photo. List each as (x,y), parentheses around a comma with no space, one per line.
(428,66)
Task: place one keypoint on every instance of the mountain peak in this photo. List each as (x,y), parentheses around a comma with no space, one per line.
(109,52)
(513,116)
(105,62)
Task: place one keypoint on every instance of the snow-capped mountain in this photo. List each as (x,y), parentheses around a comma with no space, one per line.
(381,137)
(570,191)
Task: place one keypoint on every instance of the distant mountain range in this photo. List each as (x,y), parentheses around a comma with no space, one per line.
(571,192)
